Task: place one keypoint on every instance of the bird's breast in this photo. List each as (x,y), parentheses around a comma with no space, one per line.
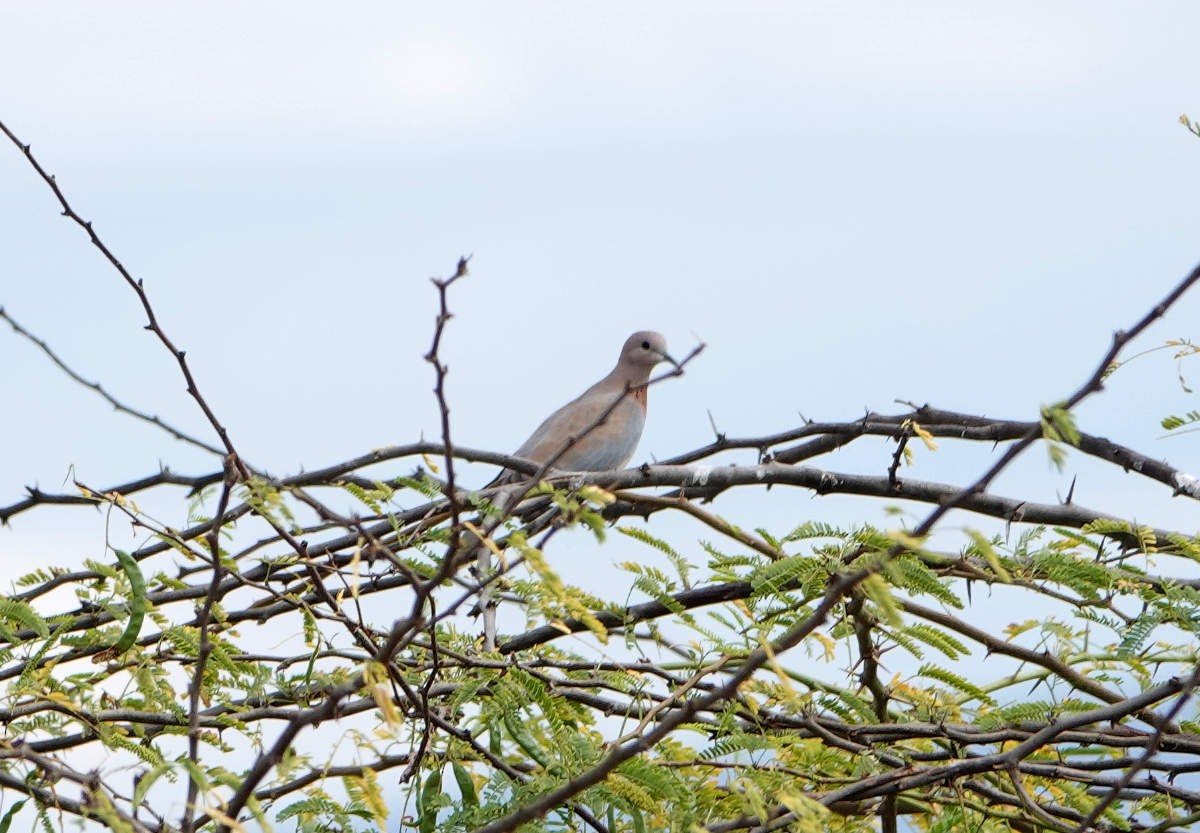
(640,397)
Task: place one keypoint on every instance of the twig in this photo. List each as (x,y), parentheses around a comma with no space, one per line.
(1147,755)
(203,617)
(136,285)
(108,397)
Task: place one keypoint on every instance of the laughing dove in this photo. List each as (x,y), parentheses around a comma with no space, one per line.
(596,445)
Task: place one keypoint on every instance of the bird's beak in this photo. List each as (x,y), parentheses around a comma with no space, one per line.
(666,357)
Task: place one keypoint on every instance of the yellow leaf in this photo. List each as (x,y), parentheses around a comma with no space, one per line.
(217,815)
(596,495)
(785,682)
(478,533)
(828,646)
(594,625)
(62,699)
(805,808)
(355,562)
(910,542)
(381,693)
(372,796)
(925,436)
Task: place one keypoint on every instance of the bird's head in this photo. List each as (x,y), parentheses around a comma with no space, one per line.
(643,350)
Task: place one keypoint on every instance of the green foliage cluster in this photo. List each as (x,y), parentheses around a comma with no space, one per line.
(447,737)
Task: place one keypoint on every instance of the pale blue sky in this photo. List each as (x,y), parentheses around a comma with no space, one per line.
(850,203)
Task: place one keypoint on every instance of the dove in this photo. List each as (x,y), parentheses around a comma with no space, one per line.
(578,436)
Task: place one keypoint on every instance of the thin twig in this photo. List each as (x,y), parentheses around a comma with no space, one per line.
(136,285)
(108,397)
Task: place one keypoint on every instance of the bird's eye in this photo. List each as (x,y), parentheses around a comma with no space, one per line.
(645,345)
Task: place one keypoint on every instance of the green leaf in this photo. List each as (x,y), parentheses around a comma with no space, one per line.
(137,603)
(466,786)
(936,638)
(7,820)
(1058,424)
(146,782)
(985,549)
(877,590)
(956,682)
(24,616)
(1137,633)
(427,802)
(1171,423)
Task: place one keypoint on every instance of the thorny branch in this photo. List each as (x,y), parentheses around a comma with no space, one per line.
(440,369)
(136,285)
(204,651)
